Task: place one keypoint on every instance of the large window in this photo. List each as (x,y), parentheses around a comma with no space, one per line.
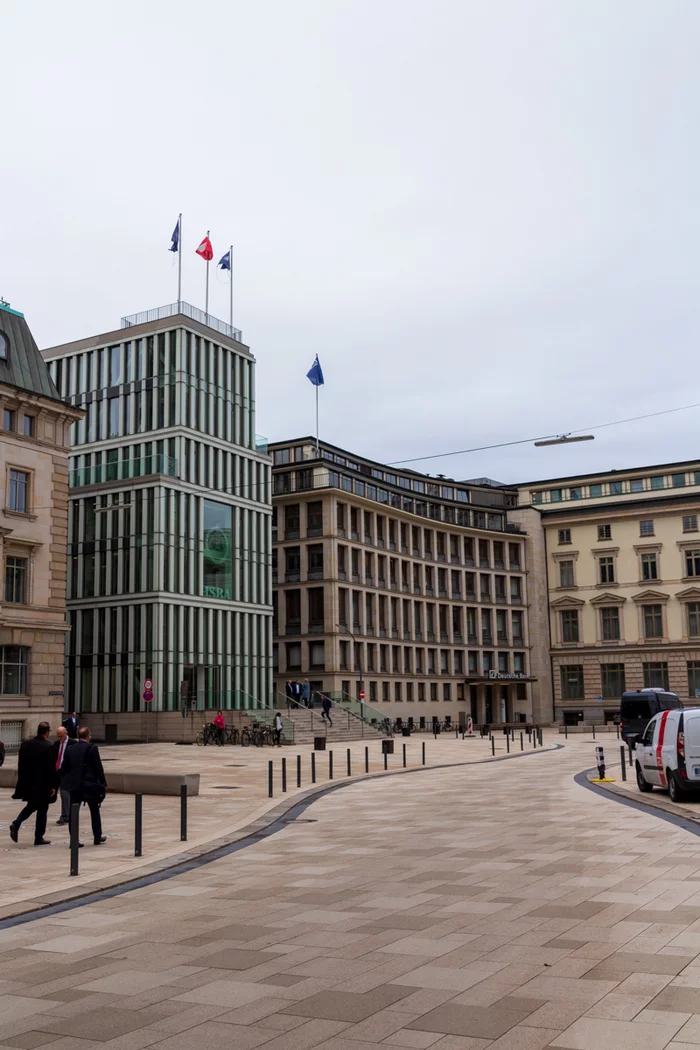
(16,581)
(655,675)
(19,491)
(650,568)
(610,622)
(566,574)
(572,682)
(607,570)
(217,550)
(13,670)
(694,678)
(569,625)
(612,679)
(653,621)
(692,563)
(694,619)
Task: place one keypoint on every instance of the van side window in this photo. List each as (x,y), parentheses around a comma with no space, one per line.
(648,738)
(670,703)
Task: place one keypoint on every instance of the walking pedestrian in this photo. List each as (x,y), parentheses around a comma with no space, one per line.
(279,726)
(71,725)
(37,783)
(306,693)
(61,743)
(297,693)
(326,712)
(84,778)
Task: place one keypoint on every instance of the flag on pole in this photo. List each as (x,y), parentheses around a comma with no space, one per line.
(205,250)
(175,238)
(225,261)
(315,374)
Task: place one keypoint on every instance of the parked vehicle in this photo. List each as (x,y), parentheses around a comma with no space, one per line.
(667,755)
(2,752)
(636,708)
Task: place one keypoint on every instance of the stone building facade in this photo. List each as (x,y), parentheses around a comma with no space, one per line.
(34,447)
(623,582)
(411,590)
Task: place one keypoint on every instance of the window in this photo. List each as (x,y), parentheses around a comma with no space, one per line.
(555,495)
(653,621)
(692,563)
(19,491)
(314,519)
(28,426)
(615,488)
(446,691)
(607,569)
(655,676)
(690,523)
(13,670)
(657,482)
(114,365)
(113,417)
(519,663)
(604,532)
(565,535)
(433,691)
(8,420)
(293,655)
(694,619)
(16,581)
(650,569)
(576,493)
(678,481)
(317,658)
(571,682)
(693,678)
(610,622)
(3,347)
(536,497)
(569,625)
(314,554)
(596,491)
(217,550)
(397,692)
(637,485)
(646,528)
(566,574)
(517,627)
(612,679)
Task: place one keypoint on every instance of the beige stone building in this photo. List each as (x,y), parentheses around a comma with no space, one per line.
(622,554)
(411,589)
(33,532)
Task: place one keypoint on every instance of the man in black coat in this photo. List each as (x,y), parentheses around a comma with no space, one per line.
(84,779)
(62,742)
(37,782)
(71,725)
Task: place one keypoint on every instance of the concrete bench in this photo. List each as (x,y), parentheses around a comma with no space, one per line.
(130,783)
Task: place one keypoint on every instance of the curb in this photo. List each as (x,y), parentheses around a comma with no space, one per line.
(273,821)
(654,807)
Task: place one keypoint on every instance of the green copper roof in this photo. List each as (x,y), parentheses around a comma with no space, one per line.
(23,366)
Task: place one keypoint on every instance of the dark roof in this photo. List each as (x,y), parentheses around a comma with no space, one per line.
(592,475)
(24,367)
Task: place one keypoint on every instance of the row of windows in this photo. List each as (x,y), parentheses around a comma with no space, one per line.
(646,528)
(397,659)
(612,679)
(649,567)
(488,705)
(9,423)
(652,623)
(619,487)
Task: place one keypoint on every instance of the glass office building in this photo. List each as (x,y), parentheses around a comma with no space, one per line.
(169,533)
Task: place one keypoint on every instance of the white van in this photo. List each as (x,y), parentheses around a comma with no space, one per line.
(668,753)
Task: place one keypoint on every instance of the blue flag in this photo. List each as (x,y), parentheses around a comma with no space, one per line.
(225,261)
(315,373)
(175,246)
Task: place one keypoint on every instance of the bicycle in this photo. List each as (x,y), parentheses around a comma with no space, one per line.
(232,735)
(207,735)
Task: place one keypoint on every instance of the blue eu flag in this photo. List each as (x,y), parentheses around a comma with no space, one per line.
(225,261)
(175,246)
(315,373)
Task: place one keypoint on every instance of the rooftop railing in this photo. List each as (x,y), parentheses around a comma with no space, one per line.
(187,310)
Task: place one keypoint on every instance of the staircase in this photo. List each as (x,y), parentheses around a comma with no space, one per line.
(346,727)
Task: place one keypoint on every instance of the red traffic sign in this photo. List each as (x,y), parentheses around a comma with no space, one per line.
(362,694)
(148,685)
(147,696)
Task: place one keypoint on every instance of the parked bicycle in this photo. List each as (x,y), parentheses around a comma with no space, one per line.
(207,735)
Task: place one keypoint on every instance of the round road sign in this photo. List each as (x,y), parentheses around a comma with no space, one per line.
(148,684)
(147,696)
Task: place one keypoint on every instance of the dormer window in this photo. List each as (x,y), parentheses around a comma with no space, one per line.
(3,347)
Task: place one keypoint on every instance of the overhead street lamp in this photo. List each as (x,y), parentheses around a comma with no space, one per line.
(565,439)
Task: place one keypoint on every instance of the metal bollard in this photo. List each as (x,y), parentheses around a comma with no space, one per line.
(521,742)
(366,760)
(508,743)
(456,732)
(349,764)
(183,812)
(298,771)
(330,765)
(74,837)
(138,825)
(423,750)
(566,731)
(617,729)
(284,774)
(534,739)
(385,760)
(269,779)
(313,767)
(493,746)
(404,756)
(539,734)
(593,727)
(622,762)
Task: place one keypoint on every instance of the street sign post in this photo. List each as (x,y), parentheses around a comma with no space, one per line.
(362,694)
(148,684)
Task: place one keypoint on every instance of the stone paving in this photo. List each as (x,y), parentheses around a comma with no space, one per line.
(495,906)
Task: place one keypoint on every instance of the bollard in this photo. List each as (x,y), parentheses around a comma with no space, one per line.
(593,727)
(566,731)
(74,837)
(138,825)
(534,739)
(330,765)
(617,729)
(349,765)
(521,742)
(423,752)
(539,735)
(600,761)
(622,762)
(284,774)
(508,743)
(366,760)
(313,767)
(512,736)
(385,760)
(269,779)
(298,771)
(493,746)
(404,756)
(183,812)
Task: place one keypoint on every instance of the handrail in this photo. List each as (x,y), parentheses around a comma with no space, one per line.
(287,722)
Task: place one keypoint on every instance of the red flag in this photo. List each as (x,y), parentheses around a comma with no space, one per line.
(205,250)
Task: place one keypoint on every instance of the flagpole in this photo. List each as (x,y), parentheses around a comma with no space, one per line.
(179,263)
(230,258)
(317,420)
(206,294)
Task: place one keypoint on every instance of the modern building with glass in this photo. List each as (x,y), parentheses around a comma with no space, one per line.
(169,536)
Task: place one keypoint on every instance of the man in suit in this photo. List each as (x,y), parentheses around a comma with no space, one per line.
(37,783)
(84,779)
(71,725)
(62,742)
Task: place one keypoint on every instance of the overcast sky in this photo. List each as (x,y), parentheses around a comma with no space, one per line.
(483,215)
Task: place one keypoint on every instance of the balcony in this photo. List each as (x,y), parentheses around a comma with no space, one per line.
(471,639)
(419,635)
(441,556)
(470,596)
(293,627)
(291,534)
(405,588)
(144,466)
(502,638)
(431,636)
(341,532)
(442,593)
(416,588)
(342,575)
(355,577)
(392,545)
(394,585)
(382,631)
(444,637)
(394,632)
(369,580)
(314,530)
(457,636)
(316,626)
(454,559)
(484,563)
(469,560)
(499,563)
(456,594)
(381,582)
(354,535)
(486,639)
(292,576)
(429,590)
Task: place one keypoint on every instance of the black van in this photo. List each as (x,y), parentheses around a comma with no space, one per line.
(638,707)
